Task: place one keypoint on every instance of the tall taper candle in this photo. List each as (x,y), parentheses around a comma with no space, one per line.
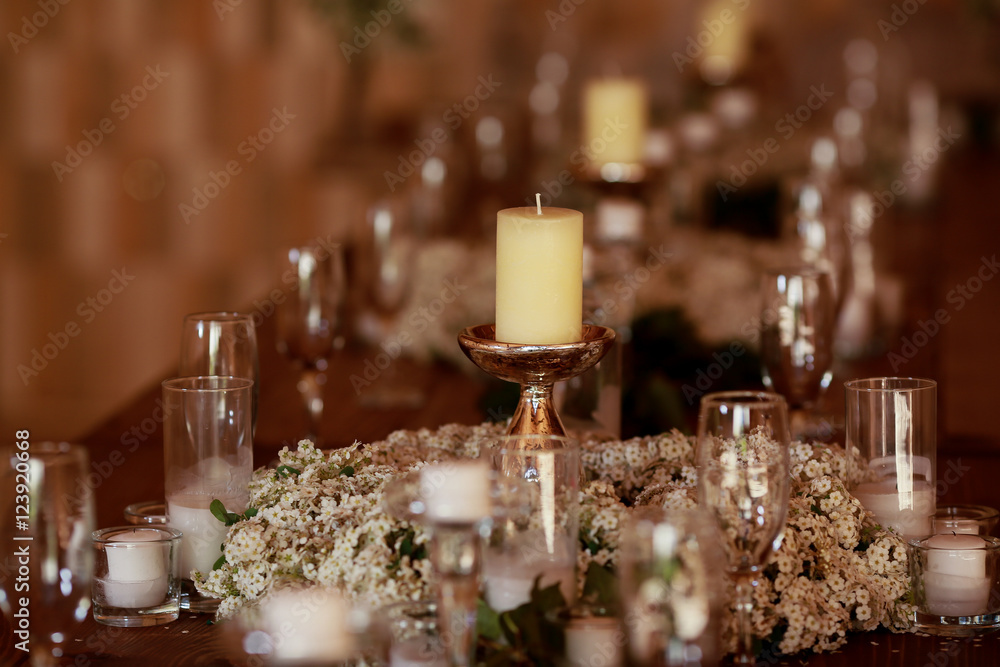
(539,275)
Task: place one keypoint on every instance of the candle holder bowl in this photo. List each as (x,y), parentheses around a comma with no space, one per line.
(536,368)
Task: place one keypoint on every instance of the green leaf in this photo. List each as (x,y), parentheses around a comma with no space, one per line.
(347,471)
(219,563)
(250,513)
(600,585)
(284,471)
(218,510)
(487,621)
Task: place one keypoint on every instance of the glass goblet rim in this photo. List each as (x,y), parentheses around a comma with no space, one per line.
(893,385)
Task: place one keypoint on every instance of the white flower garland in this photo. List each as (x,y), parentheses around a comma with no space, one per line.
(321,520)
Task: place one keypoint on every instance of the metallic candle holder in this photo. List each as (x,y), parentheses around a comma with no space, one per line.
(536,368)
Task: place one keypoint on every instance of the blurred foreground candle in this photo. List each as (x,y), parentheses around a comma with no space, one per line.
(539,275)
(594,640)
(955,581)
(615,117)
(456,492)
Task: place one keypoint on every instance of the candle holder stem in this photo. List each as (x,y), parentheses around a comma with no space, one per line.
(456,553)
(536,368)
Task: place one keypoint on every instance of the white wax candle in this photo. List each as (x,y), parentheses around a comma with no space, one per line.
(615,118)
(137,571)
(307,626)
(591,641)
(955,578)
(416,652)
(539,298)
(509,578)
(910,513)
(201,545)
(456,491)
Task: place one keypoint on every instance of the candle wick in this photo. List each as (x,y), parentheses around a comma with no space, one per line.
(538,202)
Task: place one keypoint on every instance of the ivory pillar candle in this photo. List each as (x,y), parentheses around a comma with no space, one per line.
(955,578)
(615,118)
(137,569)
(539,297)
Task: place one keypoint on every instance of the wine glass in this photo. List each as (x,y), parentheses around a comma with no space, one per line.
(389,252)
(672,584)
(221,344)
(799,321)
(51,517)
(743,479)
(310,319)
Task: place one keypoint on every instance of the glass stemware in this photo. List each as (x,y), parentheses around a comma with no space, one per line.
(310,319)
(797,340)
(672,579)
(221,344)
(743,479)
(51,509)
(390,250)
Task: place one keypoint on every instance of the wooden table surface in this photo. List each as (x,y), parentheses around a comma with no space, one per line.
(127,452)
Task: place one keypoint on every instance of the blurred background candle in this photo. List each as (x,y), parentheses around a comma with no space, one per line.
(456,492)
(615,118)
(539,276)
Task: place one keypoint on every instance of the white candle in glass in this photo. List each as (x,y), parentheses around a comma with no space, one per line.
(956,525)
(909,512)
(137,571)
(539,293)
(595,640)
(509,577)
(416,652)
(955,580)
(201,545)
(457,491)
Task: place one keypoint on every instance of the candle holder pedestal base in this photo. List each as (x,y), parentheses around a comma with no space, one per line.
(536,368)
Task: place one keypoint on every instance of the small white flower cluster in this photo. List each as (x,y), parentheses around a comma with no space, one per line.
(321,520)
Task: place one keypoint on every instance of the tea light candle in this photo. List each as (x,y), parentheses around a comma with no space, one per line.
(137,571)
(955,581)
(416,652)
(615,118)
(909,513)
(510,577)
(456,492)
(308,626)
(203,533)
(539,297)
(594,640)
